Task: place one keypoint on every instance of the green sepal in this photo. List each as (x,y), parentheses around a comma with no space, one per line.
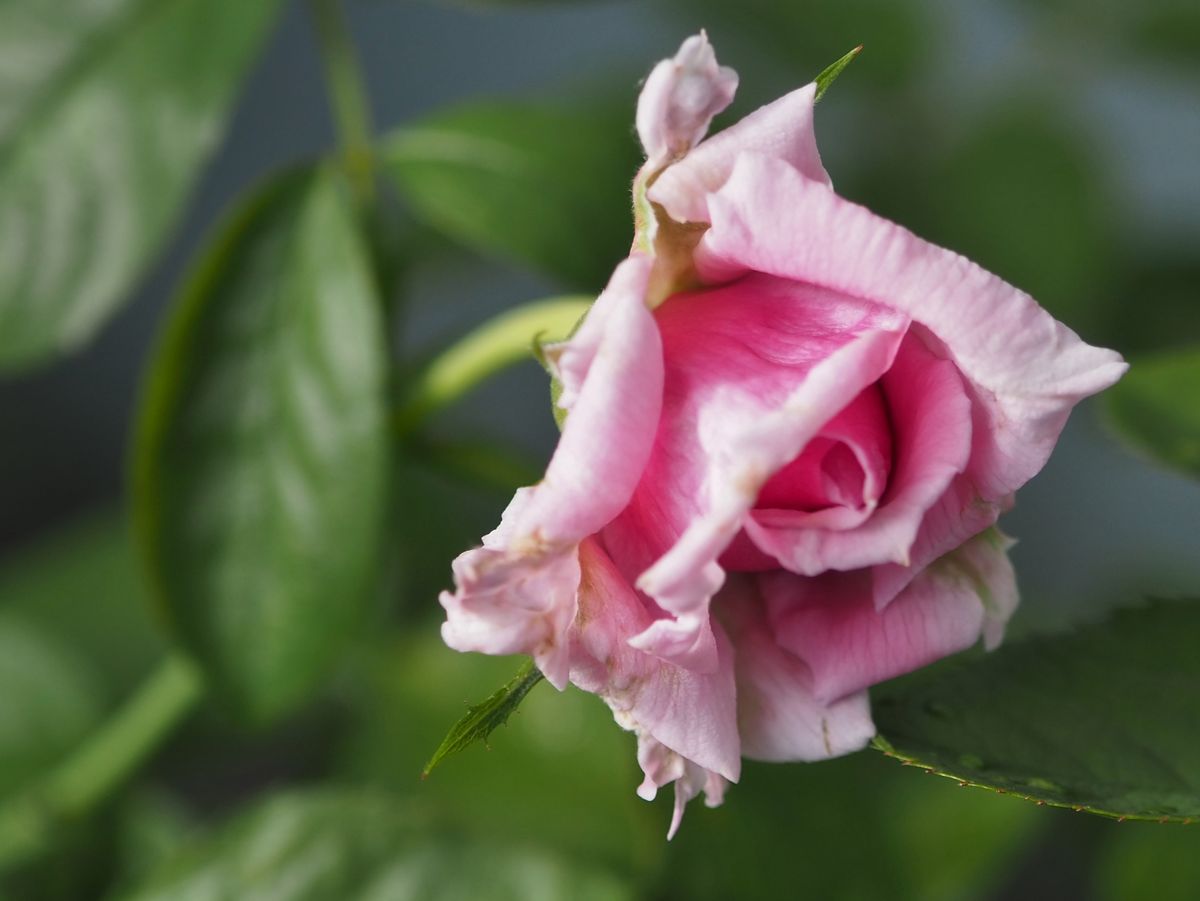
(830,73)
(484,718)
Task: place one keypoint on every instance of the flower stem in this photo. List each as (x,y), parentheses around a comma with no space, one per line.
(498,343)
(30,821)
(347,97)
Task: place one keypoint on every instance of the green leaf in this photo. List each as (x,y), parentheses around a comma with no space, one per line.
(1149,861)
(829,74)
(900,39)
(1156,406)
(83,586)
(1105,720)
(107,112)
(537,185)
(1024,197)
(49,701)
(262,452)
(356,846)
(562,745)
(867,832)
(483,719)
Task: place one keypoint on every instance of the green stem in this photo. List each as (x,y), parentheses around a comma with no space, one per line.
(30,821)
(495,345)
(347,96)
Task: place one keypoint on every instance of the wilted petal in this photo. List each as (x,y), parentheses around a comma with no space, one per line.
(691,713)
(679,99)
(661,766)
(514,602)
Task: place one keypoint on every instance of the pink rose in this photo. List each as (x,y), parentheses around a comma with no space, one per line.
(792,425)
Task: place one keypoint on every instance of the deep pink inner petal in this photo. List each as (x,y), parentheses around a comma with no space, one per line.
(908,456)
(845,466)
(835,482)
(746,347)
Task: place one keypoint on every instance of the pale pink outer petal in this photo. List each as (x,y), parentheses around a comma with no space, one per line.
(783,129)
(661,765)
(612,374)
(509,602)
(692,713)
(1027,370)
(679,99)
(686,722)
(779,717)
(958,515)
(830,621)
(743,446)
(517,594)
(931,425)
(986,563)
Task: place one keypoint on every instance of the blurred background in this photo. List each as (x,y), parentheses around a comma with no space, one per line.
(1056,142)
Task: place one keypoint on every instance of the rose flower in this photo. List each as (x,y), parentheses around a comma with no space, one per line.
(790,428)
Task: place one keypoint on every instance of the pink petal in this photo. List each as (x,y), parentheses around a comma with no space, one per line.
(612,376)
(830,621)
(514,603)
(783,130)
(779,717)
(930,421)
(662,765)
(693,714)
(1025,369)
(517,594)
(959,514)
(756,368)
(679,99)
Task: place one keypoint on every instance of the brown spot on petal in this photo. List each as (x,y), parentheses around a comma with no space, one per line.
(749,481)
(674,268)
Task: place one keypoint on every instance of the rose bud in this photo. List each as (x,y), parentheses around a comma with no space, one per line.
(791,427)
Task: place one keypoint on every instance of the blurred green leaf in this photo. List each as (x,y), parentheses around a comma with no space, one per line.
(1157,306)
(1163,30)
(801,36)
(48,703)
(561,774)
(538,185)
(1156,407)
(1106,719)
(484,5)
(484,718)
(152,828)
(454,513)
(1021,198)
(316,846)
(864,831)
(1162,862)
(262,453)
(1167,29)
(107,112)
(83,585)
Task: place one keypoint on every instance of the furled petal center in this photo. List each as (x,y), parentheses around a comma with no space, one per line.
(846,466)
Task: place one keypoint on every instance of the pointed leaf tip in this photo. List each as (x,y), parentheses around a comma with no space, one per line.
(484,718)
(830,73)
